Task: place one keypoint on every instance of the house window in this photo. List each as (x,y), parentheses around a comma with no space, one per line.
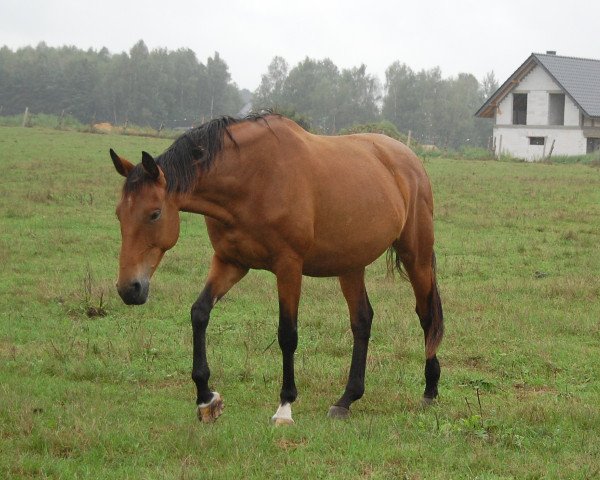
(537,140)
(519,109)
(556,109)
(593,145)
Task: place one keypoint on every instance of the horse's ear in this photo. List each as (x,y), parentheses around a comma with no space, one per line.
(122,166)
(150,166)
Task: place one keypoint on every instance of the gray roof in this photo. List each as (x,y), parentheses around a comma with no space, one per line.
(578,77)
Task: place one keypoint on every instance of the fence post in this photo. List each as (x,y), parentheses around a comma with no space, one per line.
(61,120)
(500,146)
(551,148)
(25,117)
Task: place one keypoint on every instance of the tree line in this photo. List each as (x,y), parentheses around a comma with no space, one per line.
(436,110)
(174,88)
(143,87)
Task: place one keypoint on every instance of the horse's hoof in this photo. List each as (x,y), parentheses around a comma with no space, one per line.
(209,412)
(427,401)
(283,415)
(279,421)
(337,412)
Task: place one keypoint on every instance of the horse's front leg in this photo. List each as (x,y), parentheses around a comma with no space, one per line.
(289,282)
(221,277)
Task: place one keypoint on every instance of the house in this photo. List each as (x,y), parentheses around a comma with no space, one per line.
(549,106)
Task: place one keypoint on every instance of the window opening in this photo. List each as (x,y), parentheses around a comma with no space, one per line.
(593,145)
(556,109)
(519,109)
(537,140)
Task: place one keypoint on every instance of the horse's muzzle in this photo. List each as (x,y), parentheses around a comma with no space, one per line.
(135,292)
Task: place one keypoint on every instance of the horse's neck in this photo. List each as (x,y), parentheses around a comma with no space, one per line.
(214,193)
(229,181)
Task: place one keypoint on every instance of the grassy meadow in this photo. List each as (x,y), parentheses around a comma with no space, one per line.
(92,388)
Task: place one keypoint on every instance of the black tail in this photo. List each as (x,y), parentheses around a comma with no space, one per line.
(394,263)
(436,315)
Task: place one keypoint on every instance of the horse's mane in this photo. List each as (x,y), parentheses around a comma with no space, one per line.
(190,154)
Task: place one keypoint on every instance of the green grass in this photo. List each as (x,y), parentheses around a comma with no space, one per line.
(111,396)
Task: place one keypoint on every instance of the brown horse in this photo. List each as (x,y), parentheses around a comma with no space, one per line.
(278,198)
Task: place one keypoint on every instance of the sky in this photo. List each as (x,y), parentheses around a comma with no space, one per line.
(460,36)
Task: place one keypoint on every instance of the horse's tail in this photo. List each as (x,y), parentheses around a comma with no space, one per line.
(433,320)
(436,315)
(394,262)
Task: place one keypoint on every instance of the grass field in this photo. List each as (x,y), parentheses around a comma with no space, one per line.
(91,388)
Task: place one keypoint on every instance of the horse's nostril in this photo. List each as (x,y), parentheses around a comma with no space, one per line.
(134,292)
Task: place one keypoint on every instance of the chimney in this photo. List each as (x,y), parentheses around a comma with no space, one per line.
(550,52)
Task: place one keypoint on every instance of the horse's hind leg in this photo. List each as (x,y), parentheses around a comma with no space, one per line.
(361,316)
(420,267)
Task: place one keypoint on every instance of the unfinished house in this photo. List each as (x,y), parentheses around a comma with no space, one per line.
(549,106)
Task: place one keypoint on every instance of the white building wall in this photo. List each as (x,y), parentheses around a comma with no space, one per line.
(572,114)
(537,79)
(504,111)
(514,141)
(537,107)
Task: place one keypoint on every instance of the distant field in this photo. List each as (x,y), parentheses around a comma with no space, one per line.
(110,397)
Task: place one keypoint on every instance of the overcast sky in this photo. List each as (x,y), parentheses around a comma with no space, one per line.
(458,36)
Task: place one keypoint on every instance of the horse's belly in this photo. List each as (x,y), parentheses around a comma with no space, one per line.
(355,246)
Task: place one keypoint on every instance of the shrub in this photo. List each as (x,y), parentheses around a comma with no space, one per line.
(384,127)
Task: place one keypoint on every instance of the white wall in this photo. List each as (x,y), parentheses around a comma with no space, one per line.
(514,140)
(571,113)
(504,111)
(537,79)
(537,107)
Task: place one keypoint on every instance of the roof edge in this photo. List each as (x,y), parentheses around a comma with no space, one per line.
(487,109)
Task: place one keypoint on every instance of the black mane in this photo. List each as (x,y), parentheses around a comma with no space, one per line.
(190,154)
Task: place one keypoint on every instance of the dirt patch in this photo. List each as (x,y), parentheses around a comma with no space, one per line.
(288,444)
(103,127)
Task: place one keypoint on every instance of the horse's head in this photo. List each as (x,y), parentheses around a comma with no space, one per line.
(149,220)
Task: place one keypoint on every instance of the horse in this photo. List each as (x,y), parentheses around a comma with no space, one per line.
(278,198)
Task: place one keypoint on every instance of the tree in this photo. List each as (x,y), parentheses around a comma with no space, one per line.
(489,84)
(221,96)
(270,92)
(359,94)
(312,89)
(400,103)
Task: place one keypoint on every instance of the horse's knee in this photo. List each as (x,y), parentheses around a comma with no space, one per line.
(200,313)
(361,327)
(288,338)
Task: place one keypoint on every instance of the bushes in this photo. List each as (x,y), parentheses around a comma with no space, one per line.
(384,127)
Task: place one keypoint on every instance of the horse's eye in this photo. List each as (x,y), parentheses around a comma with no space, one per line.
(155,215)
